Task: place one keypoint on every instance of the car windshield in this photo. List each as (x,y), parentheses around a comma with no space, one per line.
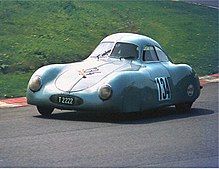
(125,50)
(102,49)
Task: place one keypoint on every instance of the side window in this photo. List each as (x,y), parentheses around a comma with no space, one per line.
(161,55)
(149,54)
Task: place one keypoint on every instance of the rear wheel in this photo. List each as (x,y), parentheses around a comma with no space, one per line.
(183,107)
(45,111)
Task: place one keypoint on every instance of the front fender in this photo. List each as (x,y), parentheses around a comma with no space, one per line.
(128,87)
(48,73)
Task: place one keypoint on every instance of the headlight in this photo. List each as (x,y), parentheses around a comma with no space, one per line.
(35,83)
(105,92)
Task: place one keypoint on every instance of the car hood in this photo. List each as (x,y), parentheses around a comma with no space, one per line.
(82,75)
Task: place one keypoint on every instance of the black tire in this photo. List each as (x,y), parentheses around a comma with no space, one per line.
(183,107)
(45,111)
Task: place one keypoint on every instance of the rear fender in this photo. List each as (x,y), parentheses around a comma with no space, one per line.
(182,77)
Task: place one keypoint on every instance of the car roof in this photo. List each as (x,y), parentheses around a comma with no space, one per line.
(139,40)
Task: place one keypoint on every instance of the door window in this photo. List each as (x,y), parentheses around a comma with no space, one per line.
(149,54)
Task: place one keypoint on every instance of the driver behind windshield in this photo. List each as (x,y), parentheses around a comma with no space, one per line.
(125,50)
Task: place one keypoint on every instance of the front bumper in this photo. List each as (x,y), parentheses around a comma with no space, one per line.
(90,100)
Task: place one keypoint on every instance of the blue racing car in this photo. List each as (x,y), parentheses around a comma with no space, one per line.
(125,73)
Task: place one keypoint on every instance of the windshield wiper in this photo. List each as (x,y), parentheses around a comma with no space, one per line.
(98,56)
(106,52)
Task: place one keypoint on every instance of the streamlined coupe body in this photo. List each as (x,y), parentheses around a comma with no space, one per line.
(125,73)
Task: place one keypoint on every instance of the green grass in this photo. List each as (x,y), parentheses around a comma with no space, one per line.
(36,33)
(14,84)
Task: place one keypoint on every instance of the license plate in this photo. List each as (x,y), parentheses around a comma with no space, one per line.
(66,100)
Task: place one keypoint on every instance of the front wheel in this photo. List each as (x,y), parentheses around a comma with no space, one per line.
(45,111)
(183,107)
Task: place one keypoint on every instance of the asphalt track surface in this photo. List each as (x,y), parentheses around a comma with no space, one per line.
(84,139)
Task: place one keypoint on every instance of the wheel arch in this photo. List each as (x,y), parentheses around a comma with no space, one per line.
(184,76)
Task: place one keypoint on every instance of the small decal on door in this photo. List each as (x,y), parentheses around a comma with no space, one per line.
(163,88)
